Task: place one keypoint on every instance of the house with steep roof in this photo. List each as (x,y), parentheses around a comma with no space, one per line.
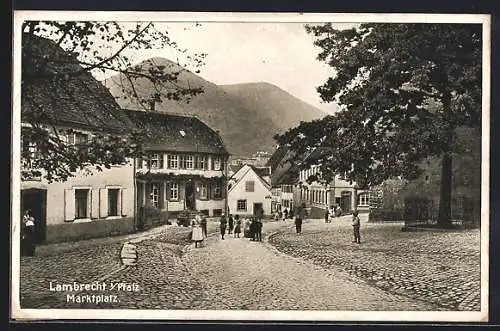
(284,179)
(185,167)
(249,192)
(71,104)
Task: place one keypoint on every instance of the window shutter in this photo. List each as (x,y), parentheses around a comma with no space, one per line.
(103,194)
(209,193)
(94,208)
(123,202)
(69,205)
(160,157)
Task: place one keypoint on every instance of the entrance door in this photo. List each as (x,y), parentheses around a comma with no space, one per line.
(345,201)
(190,196)
(35,200)
(257,209)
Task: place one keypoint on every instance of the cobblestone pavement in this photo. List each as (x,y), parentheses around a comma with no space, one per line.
(441,268)
(83,262)
(236,273)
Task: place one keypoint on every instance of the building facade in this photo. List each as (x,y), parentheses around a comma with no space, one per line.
(76,109)
(249,192)
(340,192)
(185,167)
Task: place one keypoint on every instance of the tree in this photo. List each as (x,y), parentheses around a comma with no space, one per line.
(403,91)
(78,50)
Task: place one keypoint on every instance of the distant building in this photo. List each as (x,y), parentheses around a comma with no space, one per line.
(75,108)
(187,165)
(258,159)
(249,191)
(284,179)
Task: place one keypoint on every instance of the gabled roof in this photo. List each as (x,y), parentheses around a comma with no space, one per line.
(250,168)
(261,171)
(168,132)
(57,90)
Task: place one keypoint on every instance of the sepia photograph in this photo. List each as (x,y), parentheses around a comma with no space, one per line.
(250,166)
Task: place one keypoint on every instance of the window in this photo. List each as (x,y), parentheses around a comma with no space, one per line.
(249,186)
(155,195)
(113,201)
(364,199)
(203,191)
(155,161)
(174,191)
(217,163)
(189,161)
(81,203)
(204,212)
(173,161)
(202,162)
(29,153)
(77,138)
(241,205)
(217,212)
(217,190)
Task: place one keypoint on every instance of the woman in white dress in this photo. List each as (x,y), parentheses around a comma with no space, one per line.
(196,233)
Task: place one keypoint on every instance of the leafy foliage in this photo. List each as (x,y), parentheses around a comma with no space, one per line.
(403,89)
(57,75)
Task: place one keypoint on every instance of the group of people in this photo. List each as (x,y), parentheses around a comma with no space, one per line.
(284,214)
(252,226)
(332,212)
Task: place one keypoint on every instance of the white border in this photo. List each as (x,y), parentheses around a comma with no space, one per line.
(81,314)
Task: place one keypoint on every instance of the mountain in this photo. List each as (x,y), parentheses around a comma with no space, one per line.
(247,115)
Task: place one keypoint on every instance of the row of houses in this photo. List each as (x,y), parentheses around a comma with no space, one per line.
(185,167)
(282,184)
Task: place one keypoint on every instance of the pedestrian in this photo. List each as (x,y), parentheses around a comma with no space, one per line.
(338,211)
(196,232)
(276,216)
(253,229)
(248,232)
(237,227)
(327,215)
(356,225)
(285,214)
(223,225)
(203,224)
(290,213)
(331,213)
(299,217)
(230,224)
(28,246)
(258,229)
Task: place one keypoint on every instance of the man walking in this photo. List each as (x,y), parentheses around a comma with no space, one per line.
(299,217)
(258,229)
(230,224)
(356,225)
(223,225)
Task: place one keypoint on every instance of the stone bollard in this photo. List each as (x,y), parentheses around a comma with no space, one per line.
(128,254)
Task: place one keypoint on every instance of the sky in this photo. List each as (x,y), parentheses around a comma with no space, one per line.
(280,53)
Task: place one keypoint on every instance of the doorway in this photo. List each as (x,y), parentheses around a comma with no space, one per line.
(257,209)
(345,201)
(35,200)
(190,196)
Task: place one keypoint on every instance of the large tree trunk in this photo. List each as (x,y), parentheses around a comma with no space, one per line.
(444,218)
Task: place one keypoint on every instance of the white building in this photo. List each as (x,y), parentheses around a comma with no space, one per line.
(249,192)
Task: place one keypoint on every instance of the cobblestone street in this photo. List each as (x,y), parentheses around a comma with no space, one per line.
(232,274)
(442,268)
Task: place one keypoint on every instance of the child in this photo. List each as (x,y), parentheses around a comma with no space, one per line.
(237,227)
(355,225)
